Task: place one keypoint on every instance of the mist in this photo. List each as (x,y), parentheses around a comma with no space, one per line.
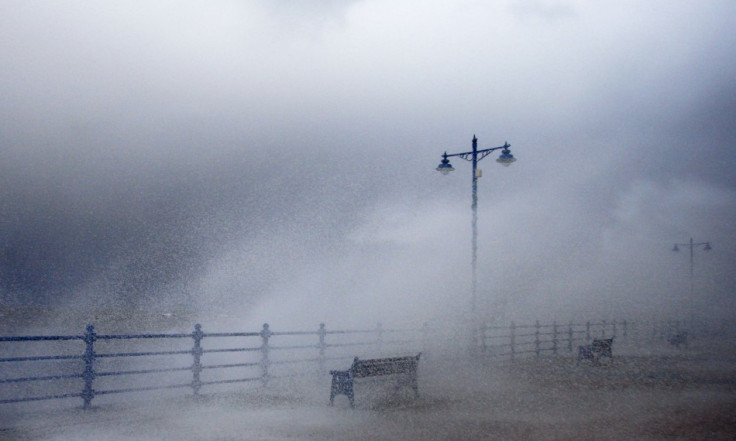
(276,161)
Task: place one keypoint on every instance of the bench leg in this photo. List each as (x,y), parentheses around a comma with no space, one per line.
(333,389)
(413,383)
(408,380)
(349,393)
(586,353)
(342,384)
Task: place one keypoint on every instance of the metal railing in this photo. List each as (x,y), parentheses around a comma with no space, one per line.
(517,340)
(200,359)
(254,354)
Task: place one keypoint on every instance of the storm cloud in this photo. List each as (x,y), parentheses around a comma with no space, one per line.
(277,158)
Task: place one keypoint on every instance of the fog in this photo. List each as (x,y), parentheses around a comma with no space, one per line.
(276,161)
(650,390)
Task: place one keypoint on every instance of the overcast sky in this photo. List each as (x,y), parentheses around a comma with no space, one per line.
(276,158)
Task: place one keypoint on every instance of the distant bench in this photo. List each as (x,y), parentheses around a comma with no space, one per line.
(598,349)
(403,368)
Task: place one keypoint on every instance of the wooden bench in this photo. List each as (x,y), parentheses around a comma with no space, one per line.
(403,368)
(598,349)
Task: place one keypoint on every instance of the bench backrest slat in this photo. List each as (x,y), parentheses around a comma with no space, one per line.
(603,344)
(384,366)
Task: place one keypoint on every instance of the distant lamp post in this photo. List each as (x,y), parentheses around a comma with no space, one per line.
(475,155)
(692,246)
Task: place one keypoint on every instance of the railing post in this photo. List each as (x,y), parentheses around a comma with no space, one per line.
(89,366)
(587,332)
(197,352)
(554,338)
(603,329)
(536,337)
(322,348)
(265,362)
(569,337)
(512,339)
(379,337)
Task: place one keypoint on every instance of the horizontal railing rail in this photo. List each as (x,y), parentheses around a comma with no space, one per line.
(264,358)
(206,359)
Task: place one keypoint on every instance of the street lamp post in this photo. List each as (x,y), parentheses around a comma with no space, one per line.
(475,155)
(692,245)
